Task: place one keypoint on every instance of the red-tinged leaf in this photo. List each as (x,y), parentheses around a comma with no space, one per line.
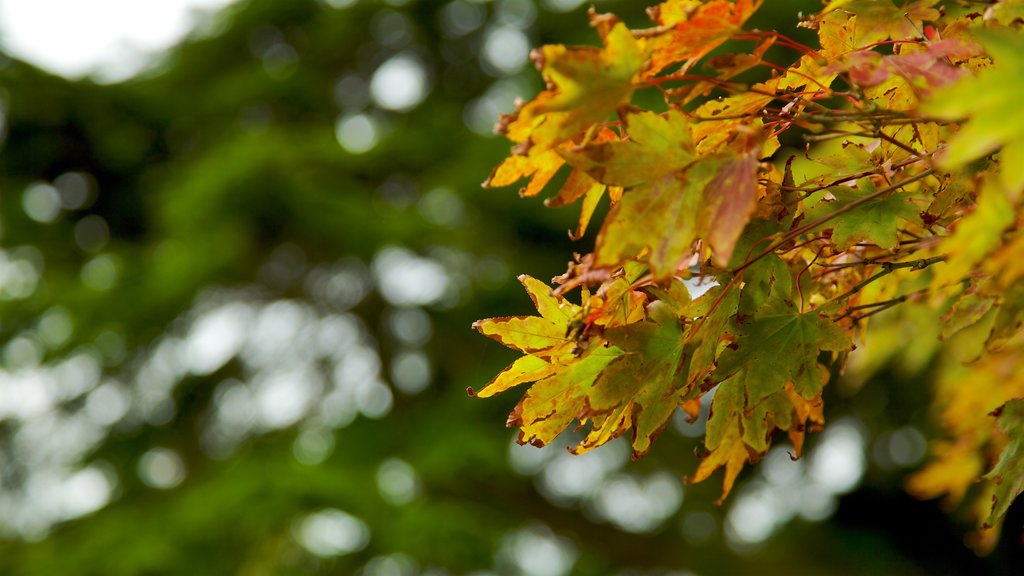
(687,32)
(928,69)
(731,198)
(1008,474)
(586,85)
(990,103)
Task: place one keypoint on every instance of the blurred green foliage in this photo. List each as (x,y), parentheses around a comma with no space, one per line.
(218,179)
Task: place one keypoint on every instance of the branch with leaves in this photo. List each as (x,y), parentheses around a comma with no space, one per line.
(908,192)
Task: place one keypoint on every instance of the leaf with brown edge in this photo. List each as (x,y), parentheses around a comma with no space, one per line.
(558,400)
(1008,474)
(539,168)
(545,336)
(642,388)
(585,86)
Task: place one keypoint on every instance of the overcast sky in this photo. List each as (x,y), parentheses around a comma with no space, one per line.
(111,38)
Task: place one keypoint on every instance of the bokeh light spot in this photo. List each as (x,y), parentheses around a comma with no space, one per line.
(400,83)
(41,202)
(161,468)
(397,482)
(332,532)
(358,133)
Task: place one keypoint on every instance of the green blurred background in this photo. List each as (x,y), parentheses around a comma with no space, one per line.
(235,302)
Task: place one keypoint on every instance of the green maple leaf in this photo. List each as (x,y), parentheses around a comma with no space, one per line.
(1008,474)
(990,104)
(876,221)
(780,345)
(724,437)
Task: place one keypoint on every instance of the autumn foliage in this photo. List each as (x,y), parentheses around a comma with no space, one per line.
(861,194)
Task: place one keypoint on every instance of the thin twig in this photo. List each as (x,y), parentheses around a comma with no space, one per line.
(829,217)
(887,268)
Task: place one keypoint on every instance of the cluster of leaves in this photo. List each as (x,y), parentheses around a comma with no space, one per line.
(907,196)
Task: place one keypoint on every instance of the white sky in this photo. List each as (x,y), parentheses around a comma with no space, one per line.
(113,38)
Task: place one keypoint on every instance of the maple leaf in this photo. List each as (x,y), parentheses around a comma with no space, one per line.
(710,197)
(687,31)
(762,370)
(876,221)
(642,387)
(545,336)
(1008,474)
(658,145)
(723,438)
(586,84)
(739,119)
(877,20)
(539,168)
(989,102)
(559,399)
(926,69)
